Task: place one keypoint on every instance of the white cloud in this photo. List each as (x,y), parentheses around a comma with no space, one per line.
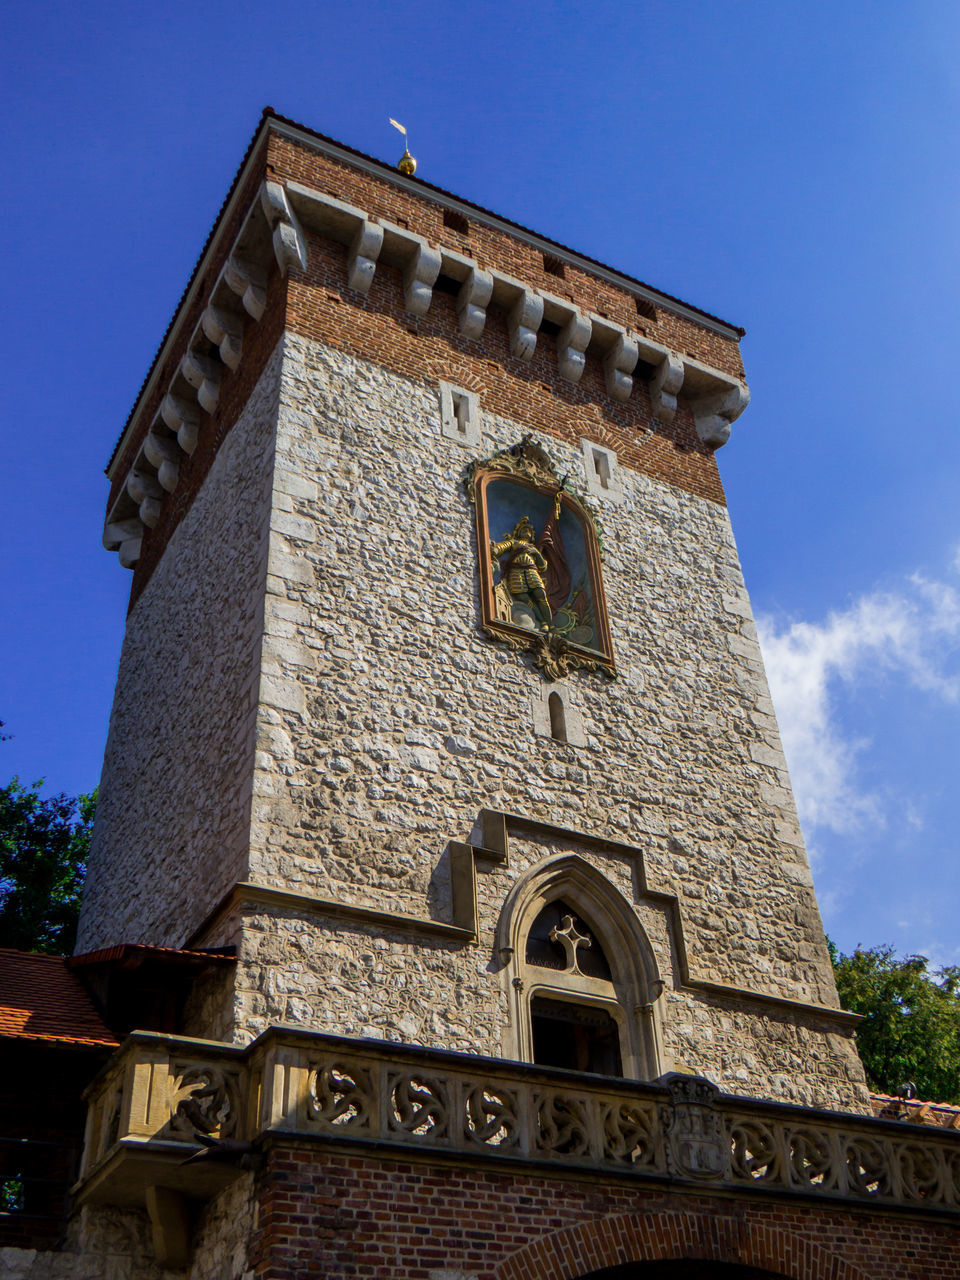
(907,635)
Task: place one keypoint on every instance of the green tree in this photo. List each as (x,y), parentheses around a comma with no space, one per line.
(43,856)
(911,1027)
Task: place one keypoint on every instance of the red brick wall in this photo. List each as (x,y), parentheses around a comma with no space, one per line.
(377,1217)
(377,328)
(492,248)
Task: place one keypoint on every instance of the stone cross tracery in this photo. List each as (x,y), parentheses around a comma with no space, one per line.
(570,939)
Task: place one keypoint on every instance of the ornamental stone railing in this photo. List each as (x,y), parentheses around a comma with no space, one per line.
(161,1092)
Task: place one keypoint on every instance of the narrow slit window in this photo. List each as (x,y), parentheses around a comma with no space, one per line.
(601,464)
(461,412)
(558,718)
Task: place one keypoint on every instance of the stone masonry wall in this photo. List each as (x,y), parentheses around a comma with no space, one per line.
(172,823)
(387,722)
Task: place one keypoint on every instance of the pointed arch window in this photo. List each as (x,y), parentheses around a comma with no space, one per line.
(583,979)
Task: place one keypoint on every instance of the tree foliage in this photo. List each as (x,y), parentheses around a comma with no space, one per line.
(43,856)
(911,1027)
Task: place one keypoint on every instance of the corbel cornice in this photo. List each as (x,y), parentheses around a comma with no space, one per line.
(716,398)
(270,232)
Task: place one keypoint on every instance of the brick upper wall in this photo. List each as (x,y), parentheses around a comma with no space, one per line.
(494,249)
(317,304)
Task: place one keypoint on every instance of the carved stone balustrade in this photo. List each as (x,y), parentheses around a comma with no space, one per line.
(160,1091)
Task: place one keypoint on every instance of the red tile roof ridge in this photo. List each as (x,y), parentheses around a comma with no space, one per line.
(120,950)
(915,1102)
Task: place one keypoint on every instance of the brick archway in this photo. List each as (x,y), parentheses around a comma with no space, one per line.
(575,1253)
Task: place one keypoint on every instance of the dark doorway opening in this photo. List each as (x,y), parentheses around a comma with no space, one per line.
(577,1037)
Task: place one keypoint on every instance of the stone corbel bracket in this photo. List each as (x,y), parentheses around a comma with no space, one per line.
(524,308)
(716,398)
(270,233)
(620,356)
(576,330)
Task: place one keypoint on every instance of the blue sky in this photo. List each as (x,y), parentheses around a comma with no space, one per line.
(789,166)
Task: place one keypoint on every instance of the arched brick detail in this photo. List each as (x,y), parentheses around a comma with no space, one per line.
(653,1237)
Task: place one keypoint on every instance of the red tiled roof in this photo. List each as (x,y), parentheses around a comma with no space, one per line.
(40,999)
(127,952)
(915,1111)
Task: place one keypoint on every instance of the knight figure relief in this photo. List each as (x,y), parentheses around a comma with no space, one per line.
(539,552)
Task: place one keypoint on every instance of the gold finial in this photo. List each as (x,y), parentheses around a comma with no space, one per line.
(406,164)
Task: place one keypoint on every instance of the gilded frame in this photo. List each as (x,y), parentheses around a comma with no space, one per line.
(553,653)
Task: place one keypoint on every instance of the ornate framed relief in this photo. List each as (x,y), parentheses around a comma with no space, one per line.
(539,560)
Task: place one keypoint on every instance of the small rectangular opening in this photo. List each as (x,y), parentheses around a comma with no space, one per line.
(461,411)
(456,221)
(447,284)
(601,465)
(646,309)
(553,266)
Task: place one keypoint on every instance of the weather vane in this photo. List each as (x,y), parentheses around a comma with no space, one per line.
(406,164)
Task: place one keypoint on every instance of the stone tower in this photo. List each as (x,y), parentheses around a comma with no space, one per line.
(352,735)
(446,883)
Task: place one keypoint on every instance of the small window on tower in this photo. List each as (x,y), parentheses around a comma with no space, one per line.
(601,467)
(553,266)
(456,221)
(459,414)
(558,720)
(602,471)
(646,309)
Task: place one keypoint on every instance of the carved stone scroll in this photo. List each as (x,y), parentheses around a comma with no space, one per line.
(289,247)
(164,454)
(572,342)
(203,373)
(419,277)
(523,321)
(249,283)
(181,417)
(714,414)
(225,330)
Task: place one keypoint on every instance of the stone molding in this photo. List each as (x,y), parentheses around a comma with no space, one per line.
(631,996)
(270,234)
(489,853)
(158,1093)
